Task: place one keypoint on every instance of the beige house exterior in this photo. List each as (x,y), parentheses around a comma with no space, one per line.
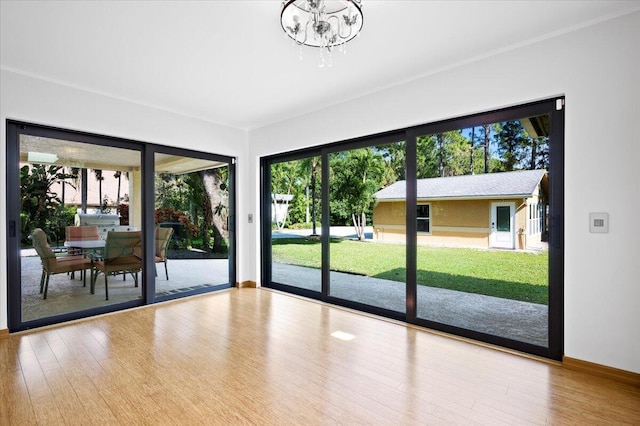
(498,210)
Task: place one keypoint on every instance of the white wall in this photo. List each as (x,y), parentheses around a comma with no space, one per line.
(32,100)
(597,68)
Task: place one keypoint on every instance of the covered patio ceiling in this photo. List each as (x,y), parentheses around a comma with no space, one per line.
(81,155)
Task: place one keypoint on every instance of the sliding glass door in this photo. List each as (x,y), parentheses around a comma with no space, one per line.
(67,186)
(87,234)
(482,234)
(191,223)
(455,225)
(367,259)
(294,216)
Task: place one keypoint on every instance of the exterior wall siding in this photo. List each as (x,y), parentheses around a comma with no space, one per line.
(464,223)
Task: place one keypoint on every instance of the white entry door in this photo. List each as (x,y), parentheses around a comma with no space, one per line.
(502,225)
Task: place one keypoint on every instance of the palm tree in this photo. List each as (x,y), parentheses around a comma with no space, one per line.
(312,165)
(118,175)
(99,178)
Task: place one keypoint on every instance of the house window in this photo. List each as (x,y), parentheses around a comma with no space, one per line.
(536,218)
(423,218)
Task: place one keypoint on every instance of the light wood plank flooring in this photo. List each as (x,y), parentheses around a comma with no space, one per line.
(254,356)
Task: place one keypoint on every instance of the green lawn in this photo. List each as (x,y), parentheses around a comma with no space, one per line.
(507,274)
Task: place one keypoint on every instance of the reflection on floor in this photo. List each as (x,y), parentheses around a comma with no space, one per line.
(69,295)
(522,321)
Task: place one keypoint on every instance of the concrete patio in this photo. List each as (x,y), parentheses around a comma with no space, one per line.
(68,295)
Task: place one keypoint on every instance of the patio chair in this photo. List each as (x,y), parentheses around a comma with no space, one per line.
(80,233)
(163,236)
(51,264)
(122,254)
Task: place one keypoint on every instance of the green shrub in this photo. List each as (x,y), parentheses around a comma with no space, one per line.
(305,225)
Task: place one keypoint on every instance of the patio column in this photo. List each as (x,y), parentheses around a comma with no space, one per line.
(135,198)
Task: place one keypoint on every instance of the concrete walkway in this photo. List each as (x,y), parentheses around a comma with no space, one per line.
(522,321)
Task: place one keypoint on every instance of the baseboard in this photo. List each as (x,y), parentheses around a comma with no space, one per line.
(4,333)
(246,284)
(602,371)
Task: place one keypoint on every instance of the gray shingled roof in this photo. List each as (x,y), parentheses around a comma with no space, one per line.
(519,183)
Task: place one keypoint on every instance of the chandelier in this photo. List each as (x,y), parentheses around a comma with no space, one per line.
(326,24)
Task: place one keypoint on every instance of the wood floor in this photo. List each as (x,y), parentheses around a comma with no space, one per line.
(253,356)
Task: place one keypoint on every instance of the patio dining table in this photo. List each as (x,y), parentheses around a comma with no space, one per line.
(87,245)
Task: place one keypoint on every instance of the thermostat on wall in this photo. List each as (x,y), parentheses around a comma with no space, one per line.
(599,222)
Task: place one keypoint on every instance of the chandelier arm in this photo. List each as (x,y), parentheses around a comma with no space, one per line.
(338,26)
(348,36)
(306,32)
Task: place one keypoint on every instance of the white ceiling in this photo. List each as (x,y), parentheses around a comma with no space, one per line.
(229,62)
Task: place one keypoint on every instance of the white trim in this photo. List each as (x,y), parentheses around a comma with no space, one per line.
(479,197)
(469,229)
(494,235)
(474,230)
(427,218)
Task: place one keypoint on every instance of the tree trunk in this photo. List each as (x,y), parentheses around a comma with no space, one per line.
(440,143)
(219,203)
(207,222)
(473,136)
(359,222)
(355,224)
(119,186)
(486,147)
(534,153)
(313,198)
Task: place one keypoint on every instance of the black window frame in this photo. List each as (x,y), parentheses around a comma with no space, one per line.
(554,107)
(14,128)
(422,218)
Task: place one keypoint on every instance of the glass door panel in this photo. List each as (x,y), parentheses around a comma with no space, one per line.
(72,196)
(192,236)
(482,254)
(296,254)
(367,248)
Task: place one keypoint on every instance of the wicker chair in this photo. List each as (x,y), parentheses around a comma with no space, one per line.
(122,254)
(163,236)
(51,264)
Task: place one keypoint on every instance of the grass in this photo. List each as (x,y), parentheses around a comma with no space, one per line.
(506,274)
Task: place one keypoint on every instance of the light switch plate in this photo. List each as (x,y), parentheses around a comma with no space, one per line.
(599,222)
